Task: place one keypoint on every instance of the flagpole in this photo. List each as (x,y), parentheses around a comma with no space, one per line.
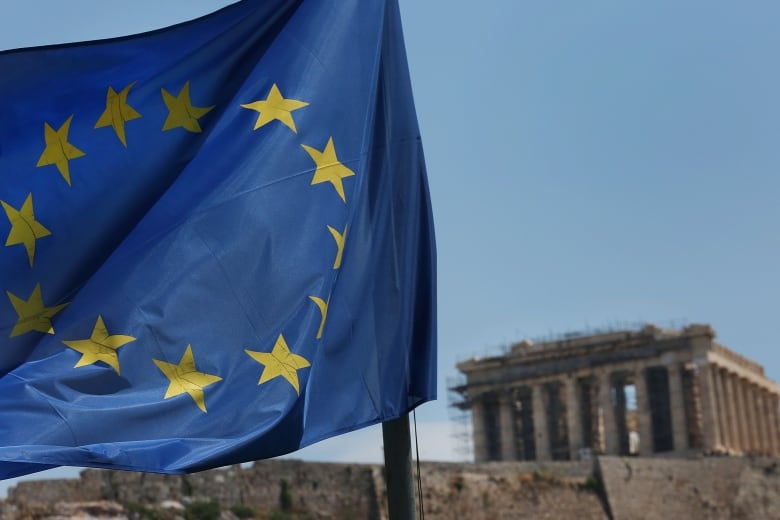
(398,469)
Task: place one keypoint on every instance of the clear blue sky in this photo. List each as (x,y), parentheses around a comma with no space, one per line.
(590,163)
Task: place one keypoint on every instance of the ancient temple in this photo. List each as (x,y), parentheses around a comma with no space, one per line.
(643,392)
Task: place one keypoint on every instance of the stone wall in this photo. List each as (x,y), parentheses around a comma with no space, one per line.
(709,488)
(510,490)
(628,489)
(319,489)
(324,491)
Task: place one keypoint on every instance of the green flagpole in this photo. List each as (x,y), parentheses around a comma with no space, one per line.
(398,469)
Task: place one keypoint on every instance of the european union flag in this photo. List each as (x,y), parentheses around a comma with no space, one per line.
(218,243)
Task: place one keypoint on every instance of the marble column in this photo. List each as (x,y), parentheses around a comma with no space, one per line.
(734,420)
(754,431)
(573,417)
(643,417)
(773,442)
(541,435)
(774,428)
(611,441)
(763,422)
(478,430)
(507,426)
(677,404)
(757,435)
(762,438)
(724,441)
(743,421)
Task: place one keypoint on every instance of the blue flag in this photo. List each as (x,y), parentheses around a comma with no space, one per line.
(216,242)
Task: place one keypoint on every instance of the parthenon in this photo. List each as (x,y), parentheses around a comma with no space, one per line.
(637,392)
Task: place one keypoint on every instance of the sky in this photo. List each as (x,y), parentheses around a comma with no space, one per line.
(591,165)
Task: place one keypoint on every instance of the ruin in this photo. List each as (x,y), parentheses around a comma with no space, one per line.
(637,392)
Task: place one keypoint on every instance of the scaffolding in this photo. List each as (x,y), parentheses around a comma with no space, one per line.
(459,411)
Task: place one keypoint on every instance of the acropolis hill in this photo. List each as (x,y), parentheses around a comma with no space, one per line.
(604,488)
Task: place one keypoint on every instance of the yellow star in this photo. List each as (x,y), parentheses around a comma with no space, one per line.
(280,363)
(24,228)
(58,150)
(33,314)
(117,112)
(323,306)
(181,113)
(339,238)
(329,169)
(275,108)
(99,347)
(184,379)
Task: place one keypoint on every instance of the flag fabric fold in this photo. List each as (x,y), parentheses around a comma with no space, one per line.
(216,243)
